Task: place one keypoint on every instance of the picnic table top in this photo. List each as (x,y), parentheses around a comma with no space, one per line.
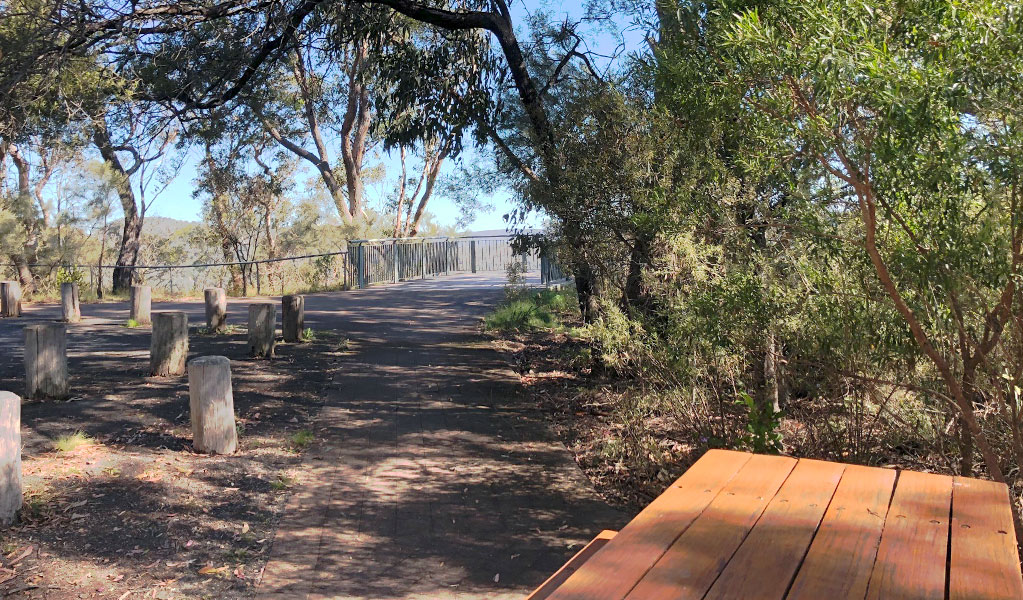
(739,525)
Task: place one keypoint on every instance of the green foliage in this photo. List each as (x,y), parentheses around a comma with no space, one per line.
(301,440)
(132,324)
(762,427)
(524,311)
(70,275)
(308,335)
(72,442)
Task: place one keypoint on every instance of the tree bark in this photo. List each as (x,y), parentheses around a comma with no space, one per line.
(131,235)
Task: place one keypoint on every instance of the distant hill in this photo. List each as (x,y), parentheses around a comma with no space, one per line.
(164,226)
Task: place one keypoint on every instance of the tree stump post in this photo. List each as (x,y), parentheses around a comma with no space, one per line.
(70,306)
(292,317)
(211,404)
(141,304)
(10,457)
(46,373)
(168,347)
(262,325)
(216,309)
(10,299)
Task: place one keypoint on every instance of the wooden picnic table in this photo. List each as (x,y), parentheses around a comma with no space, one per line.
(739,525)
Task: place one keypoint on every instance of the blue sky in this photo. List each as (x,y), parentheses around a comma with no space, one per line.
(177,200)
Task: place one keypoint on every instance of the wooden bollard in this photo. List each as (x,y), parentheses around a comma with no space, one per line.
(168,348)
(46,361)
(292,317)
(10,456)
(262,325)
(141,305)
(211,404)
(72,309)
(216,309)
(10,299)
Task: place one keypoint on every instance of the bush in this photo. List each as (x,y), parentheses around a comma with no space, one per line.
(524,311)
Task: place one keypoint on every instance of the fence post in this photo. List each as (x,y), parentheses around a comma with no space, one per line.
(360,266)
(472,255)
(394,261)
(422,258)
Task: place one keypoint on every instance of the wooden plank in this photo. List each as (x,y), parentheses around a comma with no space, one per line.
(694,561)
(912,556)
(985,563)
(554,581)
(613,571)
(841,557)
(766,562)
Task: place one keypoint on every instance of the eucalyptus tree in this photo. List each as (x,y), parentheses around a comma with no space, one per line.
(903,122)
(442,79)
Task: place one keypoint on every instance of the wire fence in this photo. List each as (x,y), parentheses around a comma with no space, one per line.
(362,264)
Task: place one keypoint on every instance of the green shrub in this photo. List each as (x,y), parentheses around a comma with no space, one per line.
(530,311)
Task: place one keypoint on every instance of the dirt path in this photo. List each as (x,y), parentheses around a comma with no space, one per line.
(435,479)
(429,475)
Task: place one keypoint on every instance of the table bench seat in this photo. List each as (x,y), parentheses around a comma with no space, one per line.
(740,525)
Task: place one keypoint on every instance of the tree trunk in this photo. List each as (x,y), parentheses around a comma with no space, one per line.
(131,235)
(585,288)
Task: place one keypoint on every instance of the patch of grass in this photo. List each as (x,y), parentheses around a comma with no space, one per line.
(132,324)
(72,441)
(282,483)
(308,335)
(301,440)
(344,345)
(530,311)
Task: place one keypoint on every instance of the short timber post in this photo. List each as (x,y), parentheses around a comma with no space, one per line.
(10,456)
(168,346)
(141,304)
(10,299)
(211,404)
(292,317)
(262,325)
(472,255)
(71,308)
(46,361)
(216,308)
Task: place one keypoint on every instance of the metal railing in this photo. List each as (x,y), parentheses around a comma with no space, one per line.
(364,263)
(392,260)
